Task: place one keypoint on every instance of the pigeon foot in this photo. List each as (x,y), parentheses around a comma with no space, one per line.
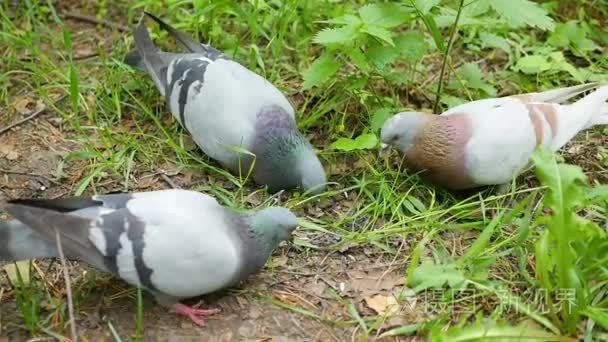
(194,312)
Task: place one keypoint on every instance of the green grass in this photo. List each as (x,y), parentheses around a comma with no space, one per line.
(346,67)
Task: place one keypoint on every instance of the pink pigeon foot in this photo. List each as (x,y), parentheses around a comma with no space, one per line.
(194,313)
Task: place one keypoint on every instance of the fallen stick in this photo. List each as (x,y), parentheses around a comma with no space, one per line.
(68,286)
(93,20)
(30,117)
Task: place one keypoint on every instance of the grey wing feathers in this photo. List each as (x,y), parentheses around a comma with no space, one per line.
(74,217)
(561,95)
(134,59)
(74,231)
(19,242)
(186,41)
(62,205)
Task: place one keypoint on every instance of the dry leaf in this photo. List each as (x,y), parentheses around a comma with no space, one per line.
(146,182)
(12,155)
(279,261)
(255,198)
(383,304)
(372,283)
(189,144)
(26,105)
(91,101)
(24,271)
(6,149)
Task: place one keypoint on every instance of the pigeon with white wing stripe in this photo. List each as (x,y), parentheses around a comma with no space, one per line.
(176,244)
(227,108)
(490,141)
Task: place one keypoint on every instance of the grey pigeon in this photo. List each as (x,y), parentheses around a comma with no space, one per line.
(176,244)
(490,141)
(227,108)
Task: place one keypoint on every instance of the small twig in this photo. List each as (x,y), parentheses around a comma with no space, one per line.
(93,20)
(30,117)
(113,332)
(169,181)
(446,56)
(68,286)
(86,56)
(31,174)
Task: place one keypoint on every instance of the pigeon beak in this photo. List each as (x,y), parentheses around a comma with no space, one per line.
(384,150)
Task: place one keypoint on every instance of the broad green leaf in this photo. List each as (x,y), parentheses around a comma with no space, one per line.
(446,21)
(425,6)
(380,33)
(366,141)
(343,144)
(357,57)
(533,64)
(362,142)
(491,331)
(379,117)
(336,35)
(476,8)
(598,193)
(492,40)
(385,15)
(452,101)
(571,34)
(429,275)
(381,55)
(431,25)
(472,76)
(563,180)
(599,315)
(518,13)
(559,62)
(320,70)
(412,46)
(564,196)
(347,19)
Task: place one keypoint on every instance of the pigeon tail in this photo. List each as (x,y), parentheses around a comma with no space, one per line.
(150,57)
(188,42)
(134,59)
(43,218)
(561,95)
(586,112)
(19,242)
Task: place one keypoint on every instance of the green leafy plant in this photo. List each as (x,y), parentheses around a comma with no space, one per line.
(365,39)
(571,250)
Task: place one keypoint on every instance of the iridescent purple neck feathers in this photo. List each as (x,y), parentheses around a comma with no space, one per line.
(285,158)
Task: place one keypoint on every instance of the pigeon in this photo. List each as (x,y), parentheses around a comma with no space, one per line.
(490,141)
(227,108)
(175,243)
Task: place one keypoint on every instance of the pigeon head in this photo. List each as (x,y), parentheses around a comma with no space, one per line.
(273,225)
(285,158)
(400,130)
